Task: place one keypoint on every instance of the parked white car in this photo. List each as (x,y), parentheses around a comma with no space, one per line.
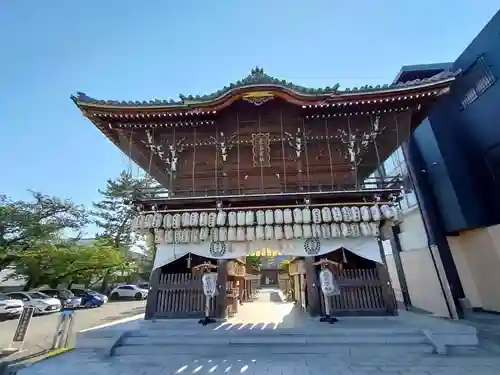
(129,291)
(9,307)
(42,303)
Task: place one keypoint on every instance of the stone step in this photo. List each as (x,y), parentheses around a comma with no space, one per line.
(156,353)
(275,339)
(319,330)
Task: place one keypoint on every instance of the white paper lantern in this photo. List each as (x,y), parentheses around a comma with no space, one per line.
(287,216)
(261,217)
(307,231)
(356,214)
(387,211)
(259,232)
(231,234)
(316,230)
(365,229)
(204,233)
(159,235)
(325,231)
(355,229)
(249,218)
(194,219)
(365,213)
(221,218)
(346,214)
(157,220)
(278,216)
(316,215)
(297,215)
(326,281)
(336,214)
(232,219)
(209,281)
(306,215)
(186,235)
(278,232)
(240,218)
(178,236)
(326,214)
(167,221)
(345,229)
(297,230)
(185,219)
(176,221)
(250,233)
(134,226)
(223,234)
(148,223)
(328,285)
(195,235)
(169,236)
(375,213)
(268,232)
(269,217)
(214,234)
(142,222)
(335,230)
(212,219)
(375,229)
(288,231)
(240,234)
(203,219)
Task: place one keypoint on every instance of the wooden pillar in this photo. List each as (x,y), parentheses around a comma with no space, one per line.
(152,301)
(221,300)
(387,291)
(312,288)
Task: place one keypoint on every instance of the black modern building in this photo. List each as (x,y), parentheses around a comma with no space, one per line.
(453,159)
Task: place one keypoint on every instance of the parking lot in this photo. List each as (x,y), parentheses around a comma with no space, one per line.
(42,328)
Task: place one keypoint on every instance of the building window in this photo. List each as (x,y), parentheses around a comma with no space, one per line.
(478,78)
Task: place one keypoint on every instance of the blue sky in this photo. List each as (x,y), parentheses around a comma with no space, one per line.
(140,50)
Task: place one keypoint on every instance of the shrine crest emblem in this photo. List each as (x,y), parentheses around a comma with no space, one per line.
(312,246)
(218,249)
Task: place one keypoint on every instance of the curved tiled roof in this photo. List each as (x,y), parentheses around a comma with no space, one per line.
(258,78)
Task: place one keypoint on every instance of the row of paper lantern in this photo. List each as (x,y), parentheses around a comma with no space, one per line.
(268,217)
(267,232)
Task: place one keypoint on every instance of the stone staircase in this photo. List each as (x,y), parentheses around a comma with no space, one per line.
(188,338)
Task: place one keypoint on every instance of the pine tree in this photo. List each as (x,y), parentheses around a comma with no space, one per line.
(114,213)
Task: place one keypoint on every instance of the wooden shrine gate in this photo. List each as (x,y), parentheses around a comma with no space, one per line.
(179,295)
(363,292)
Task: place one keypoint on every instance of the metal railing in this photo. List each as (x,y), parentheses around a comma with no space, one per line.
(390,183)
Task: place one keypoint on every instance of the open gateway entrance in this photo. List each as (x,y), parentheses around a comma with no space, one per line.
(265,287)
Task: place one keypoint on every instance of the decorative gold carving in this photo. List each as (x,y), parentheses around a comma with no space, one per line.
(258,97)
(261,149)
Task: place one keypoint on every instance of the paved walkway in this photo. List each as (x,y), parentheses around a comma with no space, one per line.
(269,311)
(88,364)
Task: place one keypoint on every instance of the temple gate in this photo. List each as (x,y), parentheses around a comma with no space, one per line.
(264,163)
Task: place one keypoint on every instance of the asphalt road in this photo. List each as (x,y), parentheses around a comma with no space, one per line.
(42,328)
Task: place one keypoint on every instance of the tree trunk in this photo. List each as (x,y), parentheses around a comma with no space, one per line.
(31,283)
(105,282)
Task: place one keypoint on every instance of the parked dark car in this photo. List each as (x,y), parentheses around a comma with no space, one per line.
(67,298)
(89,297)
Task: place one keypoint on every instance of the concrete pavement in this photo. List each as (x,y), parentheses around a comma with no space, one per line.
(42,328)
(333,361)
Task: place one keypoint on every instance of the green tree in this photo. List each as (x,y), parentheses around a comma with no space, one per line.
(114,213)
(28,225)
(255,261)
(66,262)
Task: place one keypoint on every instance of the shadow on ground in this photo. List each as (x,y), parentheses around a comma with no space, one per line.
(125,314)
